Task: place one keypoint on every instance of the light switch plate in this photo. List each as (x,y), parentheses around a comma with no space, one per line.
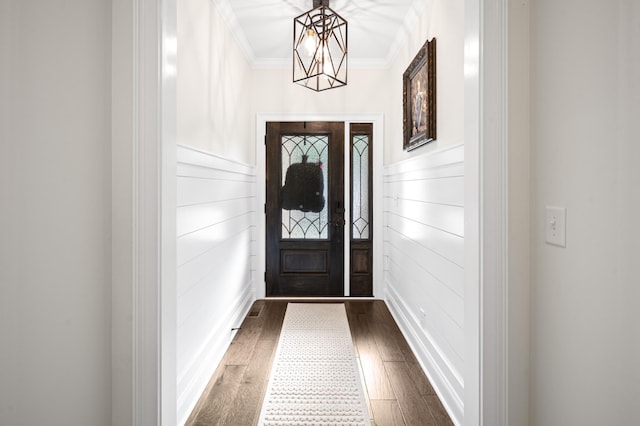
(556,226)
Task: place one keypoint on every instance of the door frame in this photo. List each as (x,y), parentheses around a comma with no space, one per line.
(143,205)
(347,119)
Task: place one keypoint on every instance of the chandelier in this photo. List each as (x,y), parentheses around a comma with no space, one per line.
(320,48)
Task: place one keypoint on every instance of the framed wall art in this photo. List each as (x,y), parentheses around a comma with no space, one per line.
(419,98)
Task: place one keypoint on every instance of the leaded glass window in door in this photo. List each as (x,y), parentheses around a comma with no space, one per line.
(360,226)
(361,218)
(304,182)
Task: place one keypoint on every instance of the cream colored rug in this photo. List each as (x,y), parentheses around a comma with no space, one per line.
(315,378)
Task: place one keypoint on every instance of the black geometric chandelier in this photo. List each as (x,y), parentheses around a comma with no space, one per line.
(320,48)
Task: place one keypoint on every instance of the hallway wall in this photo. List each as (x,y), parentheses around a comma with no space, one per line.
(424,210)
(274,92)
(214,85)
(585,322)
(216,189)
(55,219)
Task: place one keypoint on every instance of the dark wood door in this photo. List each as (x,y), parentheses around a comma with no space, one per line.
(305,209)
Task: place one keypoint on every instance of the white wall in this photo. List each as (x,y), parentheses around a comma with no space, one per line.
(55,223)
(366,92)
(585,321)
(424,210)
(216,190)
(122,216)
(518,213)
(214,85)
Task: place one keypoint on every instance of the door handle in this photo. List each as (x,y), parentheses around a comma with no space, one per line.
(339,222)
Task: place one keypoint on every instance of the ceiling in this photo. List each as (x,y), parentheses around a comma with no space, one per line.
(264,28)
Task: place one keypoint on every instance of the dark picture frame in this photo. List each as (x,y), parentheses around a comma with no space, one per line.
(419,98)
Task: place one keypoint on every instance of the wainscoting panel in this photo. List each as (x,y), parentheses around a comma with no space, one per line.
(214,220)
(424,258)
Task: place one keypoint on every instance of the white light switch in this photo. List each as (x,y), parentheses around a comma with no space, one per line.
(556,226)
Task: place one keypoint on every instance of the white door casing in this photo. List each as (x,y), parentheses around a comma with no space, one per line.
(151,289)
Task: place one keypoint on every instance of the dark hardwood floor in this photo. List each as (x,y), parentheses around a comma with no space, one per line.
(398,392)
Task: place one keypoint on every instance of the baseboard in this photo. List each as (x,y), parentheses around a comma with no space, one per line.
(199,373)
(448,386)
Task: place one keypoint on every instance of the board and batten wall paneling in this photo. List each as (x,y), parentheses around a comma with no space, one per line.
(424,264)
(214,222)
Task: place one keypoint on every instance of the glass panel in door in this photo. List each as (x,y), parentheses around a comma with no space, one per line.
(304,161)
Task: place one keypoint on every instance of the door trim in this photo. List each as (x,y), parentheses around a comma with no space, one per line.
(260,255)
(143,270)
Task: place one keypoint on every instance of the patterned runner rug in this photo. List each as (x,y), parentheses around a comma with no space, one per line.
(315,378)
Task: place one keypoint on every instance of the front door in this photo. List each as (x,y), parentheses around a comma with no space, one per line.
(305,209)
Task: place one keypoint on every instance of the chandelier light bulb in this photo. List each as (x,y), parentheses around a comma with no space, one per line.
(310,42)
(326,61)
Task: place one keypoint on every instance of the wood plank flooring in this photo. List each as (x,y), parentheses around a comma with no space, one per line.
(398,392)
